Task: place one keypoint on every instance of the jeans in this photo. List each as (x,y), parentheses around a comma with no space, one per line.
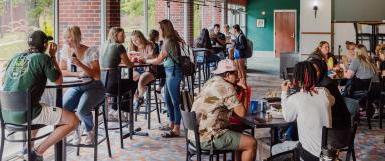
(174,77)
(84,99)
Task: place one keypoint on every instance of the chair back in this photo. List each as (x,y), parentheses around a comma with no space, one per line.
(19,101)
(291,155)
(111,79)
(191,124)
(187,100)
(338,138)
(289,73)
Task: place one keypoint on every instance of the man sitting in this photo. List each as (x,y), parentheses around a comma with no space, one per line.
(30,70)
(214,105)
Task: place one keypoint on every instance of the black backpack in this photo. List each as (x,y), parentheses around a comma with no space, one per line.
(186,60)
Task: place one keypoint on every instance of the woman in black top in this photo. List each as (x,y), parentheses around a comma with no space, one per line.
(240,46)
(340,112)
(204,41)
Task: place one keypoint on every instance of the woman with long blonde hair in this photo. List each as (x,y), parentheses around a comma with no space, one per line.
(169,56)
(361,66)
(80,60)
(140,46)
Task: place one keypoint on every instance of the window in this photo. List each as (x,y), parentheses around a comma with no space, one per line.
(237,15)
(18,18)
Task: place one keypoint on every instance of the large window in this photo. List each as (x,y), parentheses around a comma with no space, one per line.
(197,21)
(18,18)
(133,15)
(237,15)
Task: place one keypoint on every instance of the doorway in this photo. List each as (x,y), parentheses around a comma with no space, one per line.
(284,31)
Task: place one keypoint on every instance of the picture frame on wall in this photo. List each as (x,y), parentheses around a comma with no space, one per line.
(260,23)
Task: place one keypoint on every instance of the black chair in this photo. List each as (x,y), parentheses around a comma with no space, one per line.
(382,99)
(97,141)
(193,147)
(18,102)
(289,73)
(340,139)
(291,155)
(117,99)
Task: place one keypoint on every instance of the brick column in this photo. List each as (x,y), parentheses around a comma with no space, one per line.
(86,14)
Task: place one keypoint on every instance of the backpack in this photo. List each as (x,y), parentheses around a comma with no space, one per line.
(249,49)
(185,60)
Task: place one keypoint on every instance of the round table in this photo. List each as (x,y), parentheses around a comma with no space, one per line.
(67,83)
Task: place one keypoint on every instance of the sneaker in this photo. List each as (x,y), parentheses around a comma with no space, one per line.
(35,157)
(89,138)
(138,103)
(77,136)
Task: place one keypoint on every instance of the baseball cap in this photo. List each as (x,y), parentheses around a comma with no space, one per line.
(225,65)
(38,38)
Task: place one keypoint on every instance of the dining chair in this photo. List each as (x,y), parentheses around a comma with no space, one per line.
(18,102)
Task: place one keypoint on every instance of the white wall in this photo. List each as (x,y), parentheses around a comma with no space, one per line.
(311,24)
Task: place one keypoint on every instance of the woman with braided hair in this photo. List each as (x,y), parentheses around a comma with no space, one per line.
(310,106)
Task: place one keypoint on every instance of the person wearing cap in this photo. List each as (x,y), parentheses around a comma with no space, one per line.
(214,105)
(30,70)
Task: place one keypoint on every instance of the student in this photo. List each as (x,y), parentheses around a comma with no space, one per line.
(82,99)
(33,75)
(322,52)
(113,54)
(240,46)
(310,106)
(213,106)
(169,56)
(143,48)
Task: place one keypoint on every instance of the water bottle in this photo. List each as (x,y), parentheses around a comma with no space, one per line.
(73,66)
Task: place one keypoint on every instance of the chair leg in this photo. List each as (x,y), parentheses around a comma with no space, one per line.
(96,128)
(2,143)
(148,107)
(105,122)
(353,154)
(120,123)
(217,157)
(157,104)
(368,114)
(29,148)
(380,114)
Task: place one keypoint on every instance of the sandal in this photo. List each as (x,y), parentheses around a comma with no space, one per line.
(164,128)
(170,134)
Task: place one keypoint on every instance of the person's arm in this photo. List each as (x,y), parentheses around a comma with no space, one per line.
(241,44)
(94,69)
(126,60)
(289,110)
(156,61)
(221,41)
(331,101)
(54,74)
(352,69)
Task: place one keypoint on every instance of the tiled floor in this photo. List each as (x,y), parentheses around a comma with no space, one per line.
(369,143)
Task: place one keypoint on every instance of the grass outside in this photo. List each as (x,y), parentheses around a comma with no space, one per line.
(12,43)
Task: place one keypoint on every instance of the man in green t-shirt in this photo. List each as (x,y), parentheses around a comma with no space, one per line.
(29,71)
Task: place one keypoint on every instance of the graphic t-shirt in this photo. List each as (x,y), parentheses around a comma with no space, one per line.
(28,71)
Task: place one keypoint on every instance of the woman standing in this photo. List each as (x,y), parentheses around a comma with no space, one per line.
(240,46)
(79,60)
(145,49)
(169,55)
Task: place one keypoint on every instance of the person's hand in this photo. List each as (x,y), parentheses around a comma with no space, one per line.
(52,48)
(82,74)
(242,83)
(75,61)
(285,86)
(141,60)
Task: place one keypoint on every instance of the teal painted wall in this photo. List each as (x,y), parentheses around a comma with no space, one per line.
(263,38)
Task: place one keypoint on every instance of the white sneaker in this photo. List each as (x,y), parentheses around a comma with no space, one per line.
(77,136)
(89,138)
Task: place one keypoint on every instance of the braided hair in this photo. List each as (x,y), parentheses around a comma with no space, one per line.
(305,76)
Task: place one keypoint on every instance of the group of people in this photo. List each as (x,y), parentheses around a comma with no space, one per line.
(29,70)
(227,45)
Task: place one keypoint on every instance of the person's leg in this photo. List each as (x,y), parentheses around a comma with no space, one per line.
(174,92)
(144,79)
(71,99)
(92,96)
(67,123)
(247,148)
(168,102)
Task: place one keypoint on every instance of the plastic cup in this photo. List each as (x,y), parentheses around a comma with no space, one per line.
(253,106)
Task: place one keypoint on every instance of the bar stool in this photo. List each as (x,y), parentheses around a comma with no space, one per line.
(115,73)
(151,87)
(97,135)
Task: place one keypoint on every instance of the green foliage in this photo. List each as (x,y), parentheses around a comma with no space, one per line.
(132,7)
(42,8)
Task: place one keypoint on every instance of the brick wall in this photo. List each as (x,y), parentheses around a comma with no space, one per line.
(86,14)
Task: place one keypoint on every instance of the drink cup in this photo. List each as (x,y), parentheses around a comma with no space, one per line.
(253,106)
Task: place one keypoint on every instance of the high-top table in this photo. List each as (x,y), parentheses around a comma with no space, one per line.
(67,83)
